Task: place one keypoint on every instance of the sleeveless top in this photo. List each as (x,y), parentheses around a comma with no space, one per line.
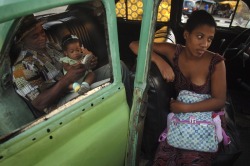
(183,83)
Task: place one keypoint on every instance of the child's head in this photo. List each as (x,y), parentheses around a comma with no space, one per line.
(71,47)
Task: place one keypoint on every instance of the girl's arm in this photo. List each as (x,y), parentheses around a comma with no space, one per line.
(165,49)
(158,48)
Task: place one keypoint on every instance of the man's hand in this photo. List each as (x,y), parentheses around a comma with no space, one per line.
(75,73)
(51,95)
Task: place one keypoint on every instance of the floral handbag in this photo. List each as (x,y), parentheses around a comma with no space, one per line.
(193,131)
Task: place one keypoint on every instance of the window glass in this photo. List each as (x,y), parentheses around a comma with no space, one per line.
(225,13)
(133,10)
(50,11)
(56,24)
(242,15)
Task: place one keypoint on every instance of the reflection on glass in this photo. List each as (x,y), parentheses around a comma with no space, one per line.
(224,12)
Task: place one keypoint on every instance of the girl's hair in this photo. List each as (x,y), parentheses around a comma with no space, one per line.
(197,18)
(68,39)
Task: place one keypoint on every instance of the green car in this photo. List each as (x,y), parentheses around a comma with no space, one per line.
(101,128)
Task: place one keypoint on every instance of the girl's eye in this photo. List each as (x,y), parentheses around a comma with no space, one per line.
(199,36)
(210,39)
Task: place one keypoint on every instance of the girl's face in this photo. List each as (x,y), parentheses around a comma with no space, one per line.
(199,40)
(74,51)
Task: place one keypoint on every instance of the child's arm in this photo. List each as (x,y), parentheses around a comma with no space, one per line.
(67,66)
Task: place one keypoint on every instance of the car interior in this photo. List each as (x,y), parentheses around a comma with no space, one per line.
(87,22)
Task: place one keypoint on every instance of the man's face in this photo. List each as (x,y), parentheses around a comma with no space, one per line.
(36,39)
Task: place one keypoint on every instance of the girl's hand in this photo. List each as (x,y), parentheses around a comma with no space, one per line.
(166,71)
(92,62)
(85,51)
(178,107)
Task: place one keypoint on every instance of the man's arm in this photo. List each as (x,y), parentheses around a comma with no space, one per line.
(50,96)
(67,66)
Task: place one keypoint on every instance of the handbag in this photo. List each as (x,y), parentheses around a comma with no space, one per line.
(192,131)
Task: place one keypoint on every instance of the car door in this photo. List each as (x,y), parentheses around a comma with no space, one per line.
(11,105)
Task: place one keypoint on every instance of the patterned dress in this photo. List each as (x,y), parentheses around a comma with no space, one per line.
(167,155)
(34,72)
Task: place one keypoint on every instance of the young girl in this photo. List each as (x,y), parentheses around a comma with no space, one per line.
(195,69)
(74,55)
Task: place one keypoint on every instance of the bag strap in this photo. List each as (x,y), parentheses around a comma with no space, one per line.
(163,135)
(226,138)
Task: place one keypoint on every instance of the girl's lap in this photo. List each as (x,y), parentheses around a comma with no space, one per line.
(167,155)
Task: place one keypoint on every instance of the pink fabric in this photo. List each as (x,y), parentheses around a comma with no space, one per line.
(218,128)
(163,135)
(220,132)
(170,116)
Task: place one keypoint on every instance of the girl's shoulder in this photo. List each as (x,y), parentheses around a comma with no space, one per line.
(214,57)
(176,51)
(172,46)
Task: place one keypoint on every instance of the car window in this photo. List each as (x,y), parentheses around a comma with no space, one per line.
(57,22)
(226,13)
(133,10)
(242,15)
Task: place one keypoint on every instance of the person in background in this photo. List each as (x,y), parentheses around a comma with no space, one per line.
(196,69)
(206,7)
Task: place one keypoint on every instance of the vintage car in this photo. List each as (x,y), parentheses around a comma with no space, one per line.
(99,127)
